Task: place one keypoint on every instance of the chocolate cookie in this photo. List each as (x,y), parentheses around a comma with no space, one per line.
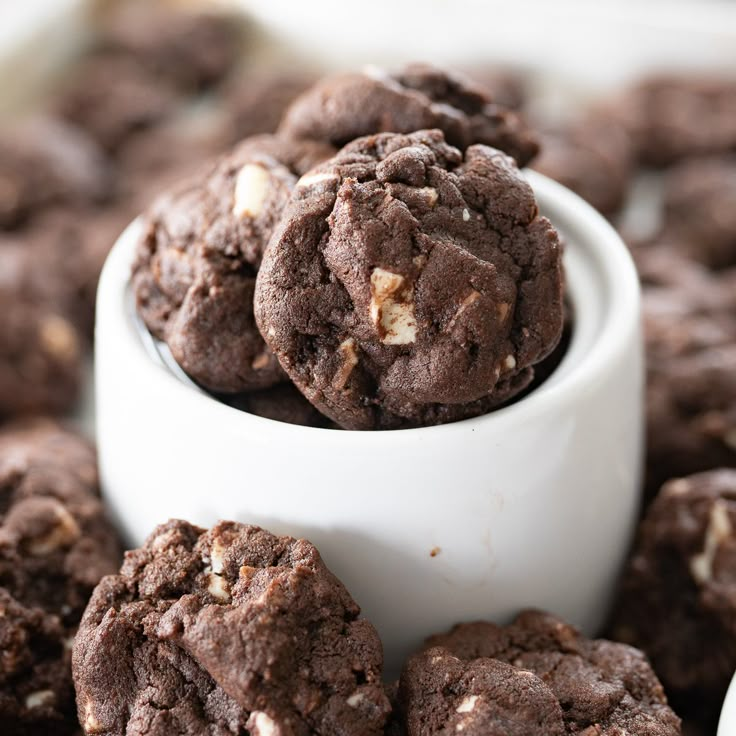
(55,545)
(506,87)
(342,108)
(55,540)
(604,688)
(191,50)
(700,209)
(409,284)
(675,117)
(196,263)
(55,262)
(36,689)
(257,100)
(690,328)
(593,156)
(226,630)
(40,349)
(111,98)
(440,694)
(282,403)
(44,161)
(678,596)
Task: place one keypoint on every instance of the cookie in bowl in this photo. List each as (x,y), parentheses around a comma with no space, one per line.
(198,255)
(409,284)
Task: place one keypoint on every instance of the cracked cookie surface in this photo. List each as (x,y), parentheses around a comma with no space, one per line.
(604,688)
(214,632)
(409,284)
(678,597)
(442,695)
(342,108)
(55,545)
(197,258)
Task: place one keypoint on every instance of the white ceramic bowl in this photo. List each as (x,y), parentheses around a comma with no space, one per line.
(531,505)
(727,723)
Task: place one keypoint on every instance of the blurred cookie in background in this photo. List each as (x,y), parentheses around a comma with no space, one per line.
(592,155)
(340,108)
(700,208)
(677,600)
(113,98)
(257,99)
(192,50)
(690,332)
(41,351)
(506,87)
(45,161)
(673,117)
(55,545)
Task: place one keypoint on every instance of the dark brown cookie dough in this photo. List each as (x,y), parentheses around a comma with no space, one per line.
(439,694)
(196,263)
(675,117)
(112,98)
(40,349)
(258,99)
(690,329)
(44,161)
(506,87)
(345,107)
(190,50)
(215,632)
(700,209)
(604,688)
(408,284)
(55,545)
(55,540)
(678,596)
(282,403)
(56,261)
(36,690)
(593,156)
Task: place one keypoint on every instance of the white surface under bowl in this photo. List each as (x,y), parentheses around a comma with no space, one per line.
(531,505)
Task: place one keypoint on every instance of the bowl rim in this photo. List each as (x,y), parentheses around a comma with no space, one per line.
(619,325)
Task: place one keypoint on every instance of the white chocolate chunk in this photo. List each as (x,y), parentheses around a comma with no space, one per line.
(398,322)
(385,283)
(467,704)
(58,338)
(350,360)
(431,194)
(730,438)
(251,187)
(40,697)
(218,588)
(466,215)
(309,180)
(260,361)
(64,532)
(91,724)
(678,487)
(355,699)
(394,315)
(718,531)
(217,557)
(464,304)
(261,724)
(509,362)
